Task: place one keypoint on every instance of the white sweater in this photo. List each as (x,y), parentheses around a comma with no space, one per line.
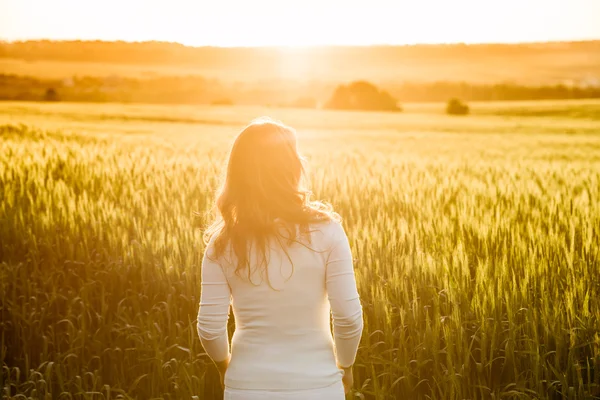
(282,338)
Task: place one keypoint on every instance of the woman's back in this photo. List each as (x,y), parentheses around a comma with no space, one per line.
(282,339)
(283,282)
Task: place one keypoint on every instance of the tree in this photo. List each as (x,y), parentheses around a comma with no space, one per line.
(362,95)
(51,95)
(456,107)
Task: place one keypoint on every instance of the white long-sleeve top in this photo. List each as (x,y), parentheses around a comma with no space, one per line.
(283,338)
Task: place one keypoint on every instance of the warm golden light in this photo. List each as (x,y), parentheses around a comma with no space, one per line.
(301,23)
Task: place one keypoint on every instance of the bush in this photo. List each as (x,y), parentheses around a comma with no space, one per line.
(51,95)
(456,107)
(362,95)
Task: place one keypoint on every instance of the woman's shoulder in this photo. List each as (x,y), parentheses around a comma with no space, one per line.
(330,230)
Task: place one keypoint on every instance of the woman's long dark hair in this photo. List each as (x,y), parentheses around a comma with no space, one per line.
(263,192)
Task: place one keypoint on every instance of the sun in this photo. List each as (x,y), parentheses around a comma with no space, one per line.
(294,62)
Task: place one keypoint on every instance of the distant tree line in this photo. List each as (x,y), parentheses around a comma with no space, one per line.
(197,90)
(442,91)
(169,90)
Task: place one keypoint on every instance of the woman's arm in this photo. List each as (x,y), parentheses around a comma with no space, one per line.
(214,312)
(344,301)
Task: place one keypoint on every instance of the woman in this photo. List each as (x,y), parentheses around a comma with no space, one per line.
(284,262)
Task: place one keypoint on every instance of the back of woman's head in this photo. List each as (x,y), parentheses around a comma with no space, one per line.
(263,194)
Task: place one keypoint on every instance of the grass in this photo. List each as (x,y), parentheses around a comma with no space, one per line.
(477,246)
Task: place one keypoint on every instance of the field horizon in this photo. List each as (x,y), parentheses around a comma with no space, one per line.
(168,73)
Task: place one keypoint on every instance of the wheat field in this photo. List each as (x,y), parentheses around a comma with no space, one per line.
(476,244)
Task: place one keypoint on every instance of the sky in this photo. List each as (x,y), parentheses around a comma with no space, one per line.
(301,22)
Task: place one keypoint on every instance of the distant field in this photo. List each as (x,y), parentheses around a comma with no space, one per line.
(529,65)
(64,69)
(500,117)
(476,242)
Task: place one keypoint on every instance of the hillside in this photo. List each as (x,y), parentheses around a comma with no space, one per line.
(526,64)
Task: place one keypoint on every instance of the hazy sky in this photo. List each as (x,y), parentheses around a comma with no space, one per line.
(301,22)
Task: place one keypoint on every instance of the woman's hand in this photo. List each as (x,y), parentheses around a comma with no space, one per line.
(222,367)
(348,379)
